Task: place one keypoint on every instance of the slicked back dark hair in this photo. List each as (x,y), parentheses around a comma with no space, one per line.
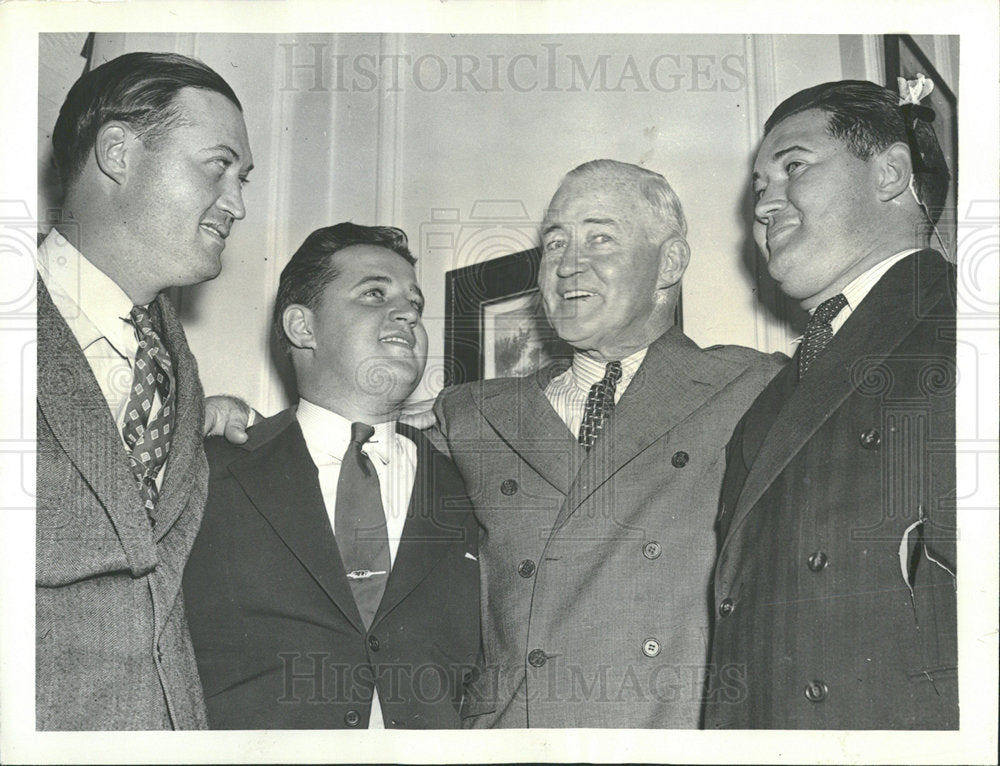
(868,119)
(138,89)
(311,269)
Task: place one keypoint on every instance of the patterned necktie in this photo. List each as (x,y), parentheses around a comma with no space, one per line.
(149,439)
(359,525)
(600,403)
(819,332)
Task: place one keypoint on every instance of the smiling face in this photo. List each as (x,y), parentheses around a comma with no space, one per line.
(183,192)
(368,343)
(600,270)
(817,215)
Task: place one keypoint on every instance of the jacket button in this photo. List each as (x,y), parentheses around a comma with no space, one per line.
(373,643)
(652,549)
(726,607)
(352,718)
(680,459)
(526,568)
(651,647)
(816,691)
(508,487)
(870,439)
(817,561)
(536,658)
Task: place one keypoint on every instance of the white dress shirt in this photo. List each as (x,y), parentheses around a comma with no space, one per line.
(859,288)
(394,457)
(856,291)
(97,312)
(568,392)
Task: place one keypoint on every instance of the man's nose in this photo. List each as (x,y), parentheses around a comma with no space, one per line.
(570,262)
(772,199)
(231,200)
(405,312)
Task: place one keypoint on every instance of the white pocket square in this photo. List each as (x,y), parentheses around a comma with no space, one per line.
(470,556)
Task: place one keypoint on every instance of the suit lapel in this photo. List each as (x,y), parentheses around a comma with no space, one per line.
(77,413)
(674,380)
(280,479)
(525,420)
(893,308)
(428,534)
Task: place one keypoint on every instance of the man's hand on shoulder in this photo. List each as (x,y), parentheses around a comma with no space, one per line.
(418,414)
(228,416)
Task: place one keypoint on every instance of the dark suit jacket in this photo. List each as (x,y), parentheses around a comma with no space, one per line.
(277,634)
(816,625)
(112,644)
(596,565)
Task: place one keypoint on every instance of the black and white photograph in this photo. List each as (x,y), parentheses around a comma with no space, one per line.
(567,382)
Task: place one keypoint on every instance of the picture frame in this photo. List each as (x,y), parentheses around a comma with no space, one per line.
(495,323)
(904,57)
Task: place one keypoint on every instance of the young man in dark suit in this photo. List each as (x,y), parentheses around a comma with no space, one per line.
(152,153)
(335,582)
(835,586)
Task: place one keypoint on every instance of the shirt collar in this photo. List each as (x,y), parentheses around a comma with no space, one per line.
(328,433)
(92,303)
(586,371)
(861,285)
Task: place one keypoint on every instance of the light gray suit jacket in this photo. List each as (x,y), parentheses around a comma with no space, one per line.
(595,567)
(112,643)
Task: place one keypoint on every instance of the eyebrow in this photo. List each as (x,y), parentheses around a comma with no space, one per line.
(230,151)
(384,280)
(598,221)
(781,153)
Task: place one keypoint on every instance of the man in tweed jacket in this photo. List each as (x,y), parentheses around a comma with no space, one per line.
(152,151)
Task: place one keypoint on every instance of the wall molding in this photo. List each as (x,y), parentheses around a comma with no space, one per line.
(388,157)
(873,49)
(771,330)
(276,234)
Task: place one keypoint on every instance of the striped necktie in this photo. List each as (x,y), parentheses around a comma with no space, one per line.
(600,403)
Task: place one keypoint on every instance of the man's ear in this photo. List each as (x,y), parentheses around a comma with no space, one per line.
(111,149)
(895,168)
(674,257)
(297,322)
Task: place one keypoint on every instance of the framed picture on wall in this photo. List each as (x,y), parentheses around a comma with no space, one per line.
(904,57)
(495,323)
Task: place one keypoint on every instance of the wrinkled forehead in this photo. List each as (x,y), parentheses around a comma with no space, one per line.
(596,196)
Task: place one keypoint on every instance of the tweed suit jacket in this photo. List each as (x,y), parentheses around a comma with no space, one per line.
(112,643)
(278,637)
(595,566)
(835,587)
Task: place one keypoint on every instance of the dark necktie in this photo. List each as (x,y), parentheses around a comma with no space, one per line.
(819,331)
(600,403)
(149,438)
(359,527)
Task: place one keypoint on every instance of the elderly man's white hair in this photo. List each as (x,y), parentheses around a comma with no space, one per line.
(667,215)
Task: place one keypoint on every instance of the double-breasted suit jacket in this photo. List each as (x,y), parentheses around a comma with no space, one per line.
(835,584)
(112,643)
(278,637)
(595,566)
